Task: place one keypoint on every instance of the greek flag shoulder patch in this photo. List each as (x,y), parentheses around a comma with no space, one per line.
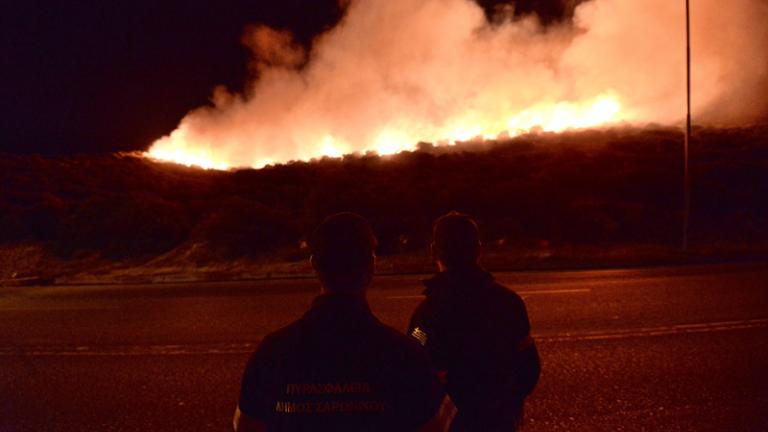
(420,335)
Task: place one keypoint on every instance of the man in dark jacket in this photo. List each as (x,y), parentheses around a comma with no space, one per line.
(338,368)
(477,333)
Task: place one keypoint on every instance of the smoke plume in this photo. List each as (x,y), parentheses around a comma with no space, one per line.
(396,72)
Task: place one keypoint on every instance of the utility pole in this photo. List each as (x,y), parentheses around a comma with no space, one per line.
(686,177)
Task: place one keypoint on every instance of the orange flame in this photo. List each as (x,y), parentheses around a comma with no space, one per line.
(445,75)
(603,110)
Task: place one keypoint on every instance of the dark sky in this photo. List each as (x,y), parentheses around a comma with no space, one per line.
(94,76)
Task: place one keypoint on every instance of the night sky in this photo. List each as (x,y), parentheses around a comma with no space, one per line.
(86,76)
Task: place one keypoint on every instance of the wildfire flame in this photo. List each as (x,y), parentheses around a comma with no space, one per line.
(603,110)
(394,73)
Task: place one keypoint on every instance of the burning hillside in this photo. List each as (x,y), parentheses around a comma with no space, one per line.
(595,197)
(394,73)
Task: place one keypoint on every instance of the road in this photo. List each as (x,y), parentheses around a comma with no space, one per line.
(656,349)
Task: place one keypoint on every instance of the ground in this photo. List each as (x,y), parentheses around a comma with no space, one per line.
(665,348)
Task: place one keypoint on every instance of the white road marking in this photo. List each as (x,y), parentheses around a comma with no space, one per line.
(128,350)
(655,331)
(521,293)
(248,347)
(44,308)
(558,291)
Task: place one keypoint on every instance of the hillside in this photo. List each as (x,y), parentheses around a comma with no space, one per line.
(579,198)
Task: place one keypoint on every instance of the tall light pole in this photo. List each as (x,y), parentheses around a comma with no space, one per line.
(686,178)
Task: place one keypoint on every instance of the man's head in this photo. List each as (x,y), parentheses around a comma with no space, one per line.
(456,241)
(343,253)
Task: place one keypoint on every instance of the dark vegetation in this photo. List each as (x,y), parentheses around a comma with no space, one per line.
(591,189)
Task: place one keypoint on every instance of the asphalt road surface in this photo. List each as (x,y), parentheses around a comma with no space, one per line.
(660,349)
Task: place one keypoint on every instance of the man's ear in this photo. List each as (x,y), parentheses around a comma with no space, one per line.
(435,251)
(313,263)
(374,262)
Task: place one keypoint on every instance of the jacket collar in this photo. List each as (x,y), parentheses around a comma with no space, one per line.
(339,304)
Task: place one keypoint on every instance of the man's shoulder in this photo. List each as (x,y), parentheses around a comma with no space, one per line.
(376,334)
(503,292)
(282,339)
(486,302)
(487,289)
(399,341)
(428,304)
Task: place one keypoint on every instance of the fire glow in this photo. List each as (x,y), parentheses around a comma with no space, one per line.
(605,109)
(394,73)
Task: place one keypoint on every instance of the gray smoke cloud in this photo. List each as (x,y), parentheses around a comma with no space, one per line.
(396,72)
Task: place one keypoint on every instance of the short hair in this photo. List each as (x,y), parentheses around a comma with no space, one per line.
(457,239)
(342,246)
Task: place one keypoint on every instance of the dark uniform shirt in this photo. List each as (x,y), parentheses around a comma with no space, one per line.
(338,368)
(477,331)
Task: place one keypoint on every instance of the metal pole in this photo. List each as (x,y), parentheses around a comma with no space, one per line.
(686,178)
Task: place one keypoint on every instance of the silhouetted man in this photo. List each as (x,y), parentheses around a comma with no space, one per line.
(338,368)
(476,331)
